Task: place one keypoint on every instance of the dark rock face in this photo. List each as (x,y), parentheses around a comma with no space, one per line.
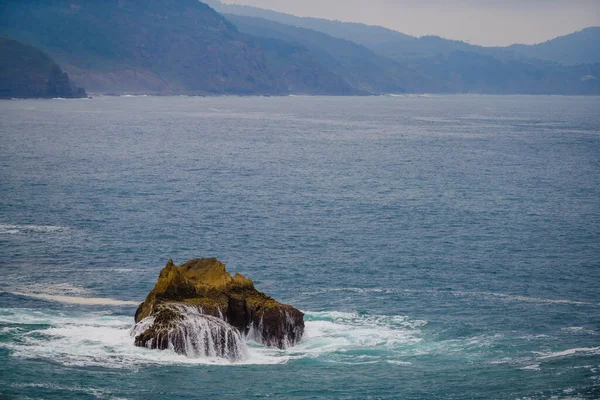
(187,331)
(26,72)
(198,309)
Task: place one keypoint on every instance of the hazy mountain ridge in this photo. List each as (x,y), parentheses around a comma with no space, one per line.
(384,41)
(185,47)
(365,35)
(576,48)
(437,64)
(451,71)
(582,47)
(468,72)
(360,67)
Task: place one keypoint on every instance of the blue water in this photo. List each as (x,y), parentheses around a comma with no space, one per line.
(441,247)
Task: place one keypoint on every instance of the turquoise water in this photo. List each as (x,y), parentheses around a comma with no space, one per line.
(441,247)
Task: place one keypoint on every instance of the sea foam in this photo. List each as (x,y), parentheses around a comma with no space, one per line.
(9,229)
(90,301)
(103,339)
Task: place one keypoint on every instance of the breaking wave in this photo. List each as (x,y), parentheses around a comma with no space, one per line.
(198,335)
(103,339)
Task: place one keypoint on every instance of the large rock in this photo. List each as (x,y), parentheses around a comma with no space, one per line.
(199,309)
(26,72)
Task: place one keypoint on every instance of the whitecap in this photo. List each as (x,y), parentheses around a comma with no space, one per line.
(510,297)
(396,362)
(90,301)
(115,270)
(585,351)
(457,293)
(65,293)
(59,289)
(9,229)
(579,330)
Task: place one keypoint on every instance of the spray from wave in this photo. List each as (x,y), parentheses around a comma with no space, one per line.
(196,335)
(104,339)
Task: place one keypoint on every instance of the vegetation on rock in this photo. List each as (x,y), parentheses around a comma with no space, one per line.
(204,289)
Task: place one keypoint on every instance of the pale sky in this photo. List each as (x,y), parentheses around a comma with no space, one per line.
(484,22)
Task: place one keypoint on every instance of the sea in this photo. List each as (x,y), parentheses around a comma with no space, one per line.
(441,247)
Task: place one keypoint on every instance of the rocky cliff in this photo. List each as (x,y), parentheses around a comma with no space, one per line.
(26,72)
(199,309)
(162,47)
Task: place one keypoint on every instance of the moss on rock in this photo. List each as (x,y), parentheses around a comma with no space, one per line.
(206,284)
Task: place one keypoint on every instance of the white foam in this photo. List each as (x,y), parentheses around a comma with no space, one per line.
(8,229)
(511,297)
(67,293)
(457,293)
(91,339)
(103,339)
(198,335)
(332,331)
(90,301)
(396,362)
(117,270)
(59,289)
(533,367)
(579,330)
(570,352)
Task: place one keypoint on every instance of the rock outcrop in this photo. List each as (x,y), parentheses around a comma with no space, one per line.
(26,72)
(200,310)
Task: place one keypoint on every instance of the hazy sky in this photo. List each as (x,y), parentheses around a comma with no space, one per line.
(485,22)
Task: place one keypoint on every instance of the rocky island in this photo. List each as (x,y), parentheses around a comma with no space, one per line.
(200,310)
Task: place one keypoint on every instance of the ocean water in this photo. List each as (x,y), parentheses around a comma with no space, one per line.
(441,247)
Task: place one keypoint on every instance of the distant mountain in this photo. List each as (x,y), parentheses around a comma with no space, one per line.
(363,53)
(365,35)
(437,68)
(468,72)
(384,41)
(161,46)
(299,71)
(186,47)
(26,72)
(360,67)
(577,48)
